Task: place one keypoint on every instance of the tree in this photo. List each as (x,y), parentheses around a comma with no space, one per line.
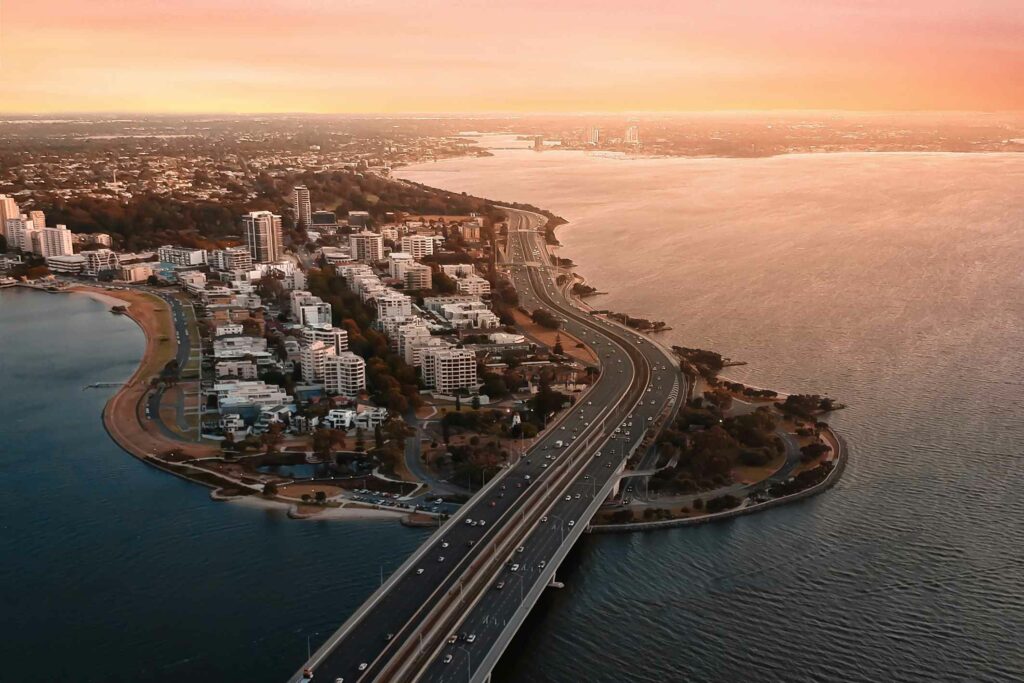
(544,319)
(458,403)
(270,489)
(476,403)
(378,437)
(320,497)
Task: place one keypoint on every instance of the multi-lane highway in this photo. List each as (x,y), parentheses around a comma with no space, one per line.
(462,580)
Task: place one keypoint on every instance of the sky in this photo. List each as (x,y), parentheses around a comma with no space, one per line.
(398,56)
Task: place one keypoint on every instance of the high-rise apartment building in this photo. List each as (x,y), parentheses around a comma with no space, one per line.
(232,258)
(632,135)
(8,211)
(38,219)
(344,374)
(55,242)
(418,246)
(263,236)
(366,246)
(303,209)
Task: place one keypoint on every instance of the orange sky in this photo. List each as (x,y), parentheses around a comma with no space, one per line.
(477,56)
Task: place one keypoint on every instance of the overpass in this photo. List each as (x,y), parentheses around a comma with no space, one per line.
(480,574)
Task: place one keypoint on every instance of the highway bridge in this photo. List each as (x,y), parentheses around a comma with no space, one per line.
(452,608)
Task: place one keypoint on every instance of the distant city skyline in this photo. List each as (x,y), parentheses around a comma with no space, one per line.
(389,56)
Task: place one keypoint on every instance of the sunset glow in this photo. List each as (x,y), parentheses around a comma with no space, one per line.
(479,56)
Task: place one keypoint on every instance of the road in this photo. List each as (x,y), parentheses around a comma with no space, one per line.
(494,618)
(408,607)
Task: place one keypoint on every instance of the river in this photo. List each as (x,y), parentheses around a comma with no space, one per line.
(114,571)
(891,282)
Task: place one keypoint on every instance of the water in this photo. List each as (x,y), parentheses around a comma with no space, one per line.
(890,282)
(114,571)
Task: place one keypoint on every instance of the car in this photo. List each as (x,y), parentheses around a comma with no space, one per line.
(519,484)
(590,403)
(468,521)
(572,522)
(440,558)
(471,542)
(586,476)
(527,477)
(339,679)
(520,548)
(578,496)
(444,544)
(568,497)
(471,637)
(607,464)
(544,518)
(452,639)
(389,637)
(420,570)
(362,666)
(650,419)
(482,522)
(499,585)
(514,568)
(543,465)
(542,564)
(597,455)
(307,674)
(447,658)
(493,503)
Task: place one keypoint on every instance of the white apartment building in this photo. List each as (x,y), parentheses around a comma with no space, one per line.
(334,337)
(419,277)
(312,359)
(19,231)
(236,347)
(314,313)
(234,394)
(136,272)
(233,258)
(9,210)
(67,265)
(181,256)
(389,233)
(418,245)
(192,282)
(55,241)
(473,285)
(397,261)
(344,374)
(470,315)
(239,369)
(98,261)
(451,370)
(393,305)
(263,236)
(366,246)
(228,329)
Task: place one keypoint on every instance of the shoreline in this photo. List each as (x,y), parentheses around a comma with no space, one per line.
(840,449)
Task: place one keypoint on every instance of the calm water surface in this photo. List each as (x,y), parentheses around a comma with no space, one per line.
(891,282)
(114,571)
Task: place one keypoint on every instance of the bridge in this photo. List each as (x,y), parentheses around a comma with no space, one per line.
(451,609)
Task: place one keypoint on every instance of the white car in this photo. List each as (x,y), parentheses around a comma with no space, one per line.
(572,522)
(362,667)
(514,568)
